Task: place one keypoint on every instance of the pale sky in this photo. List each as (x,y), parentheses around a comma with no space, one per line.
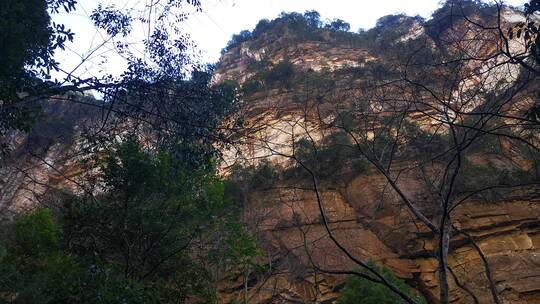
(218,21)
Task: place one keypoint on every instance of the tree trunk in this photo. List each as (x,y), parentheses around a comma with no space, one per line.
(444,243)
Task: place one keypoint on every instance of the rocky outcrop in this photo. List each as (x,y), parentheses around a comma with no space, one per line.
(240,63)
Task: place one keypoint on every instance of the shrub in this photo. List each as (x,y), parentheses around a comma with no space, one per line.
(251,86)
(361,291)
(282,73)
(327,159)
(244,180)
(310,83)
(236,40)
(420,144)
(318,84)
(475,177)
(263,176)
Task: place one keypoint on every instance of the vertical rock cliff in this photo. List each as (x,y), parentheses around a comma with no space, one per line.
(295,86)
(298,85)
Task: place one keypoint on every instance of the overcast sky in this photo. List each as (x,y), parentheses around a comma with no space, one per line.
(219,19)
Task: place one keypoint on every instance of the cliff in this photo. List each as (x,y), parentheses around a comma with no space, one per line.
(296,83)
(308,84)
(51,157)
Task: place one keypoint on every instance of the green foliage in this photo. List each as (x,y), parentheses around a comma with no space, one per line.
(534,113)
(529,32)
(420,144)
(152,236)
(29,41)
(397,139)
(361,291)
(328,159)
(25,35)
(531,29)
(495,173)
(384,38)
(280,75)
(251,86)
(35,234)
(294,27)
(242,250)
(317,85)
(36,268)
(486,163)
(313,18)
(112,20)
(263,176)
(308,84)
(237,39)
(190,112)
(243,180)
(153,195)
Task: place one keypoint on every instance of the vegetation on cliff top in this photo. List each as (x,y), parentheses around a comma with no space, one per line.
(296,27)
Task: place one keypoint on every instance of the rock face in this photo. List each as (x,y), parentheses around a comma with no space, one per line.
(366,217)
(507,232)
(364,214)
(51,157)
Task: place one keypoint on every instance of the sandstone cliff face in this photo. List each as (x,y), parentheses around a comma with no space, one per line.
(365,215)
(506,231)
